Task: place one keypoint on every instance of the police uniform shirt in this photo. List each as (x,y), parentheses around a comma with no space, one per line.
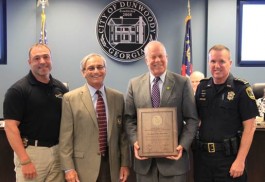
(223,108)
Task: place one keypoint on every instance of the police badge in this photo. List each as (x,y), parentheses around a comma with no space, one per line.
(230,95)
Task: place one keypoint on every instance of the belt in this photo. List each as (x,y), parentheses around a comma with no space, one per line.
(39,143)
(211,147)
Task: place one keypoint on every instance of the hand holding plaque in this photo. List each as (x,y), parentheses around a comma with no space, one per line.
(157,132)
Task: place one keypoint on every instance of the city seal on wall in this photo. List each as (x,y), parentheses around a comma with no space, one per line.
(123,29)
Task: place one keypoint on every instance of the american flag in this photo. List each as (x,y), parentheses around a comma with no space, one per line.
(186,68)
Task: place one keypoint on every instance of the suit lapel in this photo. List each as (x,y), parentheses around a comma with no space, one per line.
(110,101)
(145,86)
(167,89)
(87,101)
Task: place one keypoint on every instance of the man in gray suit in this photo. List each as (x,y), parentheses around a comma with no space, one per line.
(175,91)
(81,152)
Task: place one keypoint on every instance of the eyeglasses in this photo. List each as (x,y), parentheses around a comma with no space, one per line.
(92,68)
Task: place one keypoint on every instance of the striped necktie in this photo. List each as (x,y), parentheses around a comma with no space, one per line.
(102,123)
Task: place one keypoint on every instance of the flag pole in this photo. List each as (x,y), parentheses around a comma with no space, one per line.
(186,68)
(189,12)
(43,20)
(189,8)
(43,4)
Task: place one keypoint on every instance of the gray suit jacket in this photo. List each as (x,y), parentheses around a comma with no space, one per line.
(79,146)
(176,92)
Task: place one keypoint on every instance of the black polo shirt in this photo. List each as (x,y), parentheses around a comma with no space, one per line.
(223,108)
(37,106)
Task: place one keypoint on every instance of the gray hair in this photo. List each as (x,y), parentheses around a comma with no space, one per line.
(89,56)
(197,74)
(151,43)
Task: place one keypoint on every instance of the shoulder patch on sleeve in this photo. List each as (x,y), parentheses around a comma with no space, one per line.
(250,93)
(241,81)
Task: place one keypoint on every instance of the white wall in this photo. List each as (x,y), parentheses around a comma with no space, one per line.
(222,23)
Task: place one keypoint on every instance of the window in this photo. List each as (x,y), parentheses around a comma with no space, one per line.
(250,33)
(2,31)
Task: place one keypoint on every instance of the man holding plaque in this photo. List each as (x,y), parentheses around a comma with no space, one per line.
(174,91)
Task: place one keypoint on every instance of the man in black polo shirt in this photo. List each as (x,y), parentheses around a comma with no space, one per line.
(32,113)
(227,109)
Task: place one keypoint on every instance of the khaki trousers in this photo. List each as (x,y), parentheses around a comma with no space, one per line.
(47,164)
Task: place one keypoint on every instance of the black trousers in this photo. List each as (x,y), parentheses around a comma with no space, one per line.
(214,167)
(104,172)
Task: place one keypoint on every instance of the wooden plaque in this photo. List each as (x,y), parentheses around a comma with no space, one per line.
(157,132)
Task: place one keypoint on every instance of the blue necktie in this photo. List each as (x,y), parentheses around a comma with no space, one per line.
(155,97)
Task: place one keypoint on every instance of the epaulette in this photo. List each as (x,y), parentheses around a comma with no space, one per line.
(241,81)
(205,79)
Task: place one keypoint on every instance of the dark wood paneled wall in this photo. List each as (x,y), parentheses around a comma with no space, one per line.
(7,173)
(256,157)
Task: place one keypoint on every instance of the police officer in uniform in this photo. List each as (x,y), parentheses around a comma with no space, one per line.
(227,109)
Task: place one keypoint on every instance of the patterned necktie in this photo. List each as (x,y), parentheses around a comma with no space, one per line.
(155,93)
(102,123)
